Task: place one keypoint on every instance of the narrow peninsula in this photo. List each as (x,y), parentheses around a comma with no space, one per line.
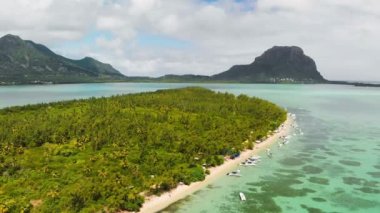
(109,154)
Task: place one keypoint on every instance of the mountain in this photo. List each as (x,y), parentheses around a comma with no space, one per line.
(279,64)
(23,62)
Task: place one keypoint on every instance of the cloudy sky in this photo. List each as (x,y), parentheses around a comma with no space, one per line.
(155,37)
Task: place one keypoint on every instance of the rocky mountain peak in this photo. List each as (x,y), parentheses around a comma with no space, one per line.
(282,54)
(10,37)
(10,40)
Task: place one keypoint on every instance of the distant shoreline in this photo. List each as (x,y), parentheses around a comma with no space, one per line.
(157,203)
(356,84)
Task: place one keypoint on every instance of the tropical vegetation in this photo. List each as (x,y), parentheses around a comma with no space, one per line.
(106,154)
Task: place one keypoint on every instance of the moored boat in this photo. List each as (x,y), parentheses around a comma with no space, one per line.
(248,163)
(242,196)
(254,158)
(269,153)
(234,173)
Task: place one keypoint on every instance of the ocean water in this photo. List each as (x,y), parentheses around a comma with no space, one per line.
(334,166)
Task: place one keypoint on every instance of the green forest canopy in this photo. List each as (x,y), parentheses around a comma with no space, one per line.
(103,153)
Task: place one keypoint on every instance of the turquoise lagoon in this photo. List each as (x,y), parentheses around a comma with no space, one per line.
(333,167)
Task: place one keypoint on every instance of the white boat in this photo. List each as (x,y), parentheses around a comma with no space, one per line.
(253,158)
(242,196)
(248,163)
(234,173)
(269,153)
(268,150)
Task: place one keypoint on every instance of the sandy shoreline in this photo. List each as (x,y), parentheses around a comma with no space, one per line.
(157,203)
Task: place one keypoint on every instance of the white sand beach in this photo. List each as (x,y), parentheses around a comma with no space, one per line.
(157,203)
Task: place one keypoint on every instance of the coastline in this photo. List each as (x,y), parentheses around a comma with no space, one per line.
(156,203)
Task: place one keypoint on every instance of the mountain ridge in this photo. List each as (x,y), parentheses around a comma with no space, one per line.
(27,62)
(24,61)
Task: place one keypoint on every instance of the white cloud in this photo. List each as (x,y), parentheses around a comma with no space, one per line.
(342,36)
(141,7)
(48,21)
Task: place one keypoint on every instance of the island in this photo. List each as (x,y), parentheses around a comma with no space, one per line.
(108,154)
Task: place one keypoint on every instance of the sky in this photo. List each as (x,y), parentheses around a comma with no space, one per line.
(157,37)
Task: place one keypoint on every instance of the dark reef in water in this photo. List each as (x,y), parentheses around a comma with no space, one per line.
(312,169)
(350,163)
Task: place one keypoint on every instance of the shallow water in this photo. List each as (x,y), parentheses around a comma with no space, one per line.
(333,167)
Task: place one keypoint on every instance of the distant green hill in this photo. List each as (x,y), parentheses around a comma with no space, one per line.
(23,62)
